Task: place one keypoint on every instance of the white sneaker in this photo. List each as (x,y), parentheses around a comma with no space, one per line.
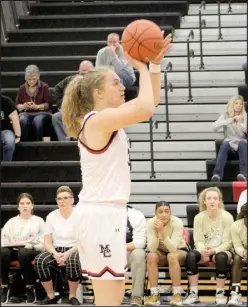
(220,298)
(192,298)
(235,299)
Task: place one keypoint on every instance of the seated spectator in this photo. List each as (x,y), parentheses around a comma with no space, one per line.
(213,243)
(234,123)
(10,128)
(58,93)
(239,239)
(136,255)
(242,200)
(112,56)
(60,249)
(34,102)
(166,246)
(22,240)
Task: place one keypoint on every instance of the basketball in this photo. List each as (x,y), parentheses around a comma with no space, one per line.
(143,40)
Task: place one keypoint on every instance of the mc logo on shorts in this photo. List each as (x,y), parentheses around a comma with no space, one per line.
(105,250)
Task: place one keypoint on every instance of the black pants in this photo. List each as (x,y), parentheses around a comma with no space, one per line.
(25,257)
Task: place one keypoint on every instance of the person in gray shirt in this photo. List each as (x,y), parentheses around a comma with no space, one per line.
(58,93)
(234,124)
(112,56)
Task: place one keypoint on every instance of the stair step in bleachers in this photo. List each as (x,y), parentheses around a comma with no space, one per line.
(156,191)
(68,151)
(212,8)
(177,79)
(179,96)
(70,63)
(243,91)
(50,171)
(71,8)
(179,131)
(212,34)
(207,78)
(210,63)
(97,20)
(227,21)
(68,34)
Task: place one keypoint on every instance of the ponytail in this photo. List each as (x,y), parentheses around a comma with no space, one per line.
(78,99)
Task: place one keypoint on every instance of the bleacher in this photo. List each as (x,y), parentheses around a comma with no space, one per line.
(56,36)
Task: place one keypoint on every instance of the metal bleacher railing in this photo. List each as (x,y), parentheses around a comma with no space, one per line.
(10,13)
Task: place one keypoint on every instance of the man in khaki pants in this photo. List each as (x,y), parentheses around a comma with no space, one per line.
(136,255)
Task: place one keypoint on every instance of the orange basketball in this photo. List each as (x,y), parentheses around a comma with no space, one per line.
(143,40)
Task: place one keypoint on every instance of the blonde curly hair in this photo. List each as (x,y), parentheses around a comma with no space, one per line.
(202,198)
(230,106)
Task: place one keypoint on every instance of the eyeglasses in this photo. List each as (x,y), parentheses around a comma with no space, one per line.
(63,198)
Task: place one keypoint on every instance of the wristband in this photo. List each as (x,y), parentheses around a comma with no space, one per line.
(17,137)
(154,68)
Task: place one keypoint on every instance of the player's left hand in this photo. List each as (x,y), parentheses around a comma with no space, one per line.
(165,48)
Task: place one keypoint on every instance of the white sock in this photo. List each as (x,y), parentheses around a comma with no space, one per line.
(154,290)
(218,290)
(194,289)
(177,290)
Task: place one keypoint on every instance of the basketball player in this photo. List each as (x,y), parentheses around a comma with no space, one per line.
(93,110)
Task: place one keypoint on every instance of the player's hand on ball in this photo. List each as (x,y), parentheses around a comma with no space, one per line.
(135,63)
(166,46)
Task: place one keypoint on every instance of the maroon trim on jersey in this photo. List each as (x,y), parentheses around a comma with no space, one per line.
(103,271)
(99,151)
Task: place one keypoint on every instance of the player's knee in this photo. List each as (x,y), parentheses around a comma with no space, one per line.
(221,261)
(152,258)
(172,258)
(138,256)
(192,259)
(237,260)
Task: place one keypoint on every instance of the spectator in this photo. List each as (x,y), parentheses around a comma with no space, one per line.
(21,239)
(10,128)
(213,243)
(239,239)
(60,248)
(234,123)
(58,93)
(34,101)
(112,56)
(166,246)
(242,200)
(136,255)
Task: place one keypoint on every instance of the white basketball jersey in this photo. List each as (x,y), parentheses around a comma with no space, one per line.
(106,172)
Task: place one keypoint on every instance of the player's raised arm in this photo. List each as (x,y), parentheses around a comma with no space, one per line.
(155,69)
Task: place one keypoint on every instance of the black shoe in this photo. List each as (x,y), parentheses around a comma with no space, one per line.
(49,301)
(30,295)
(4,294)
(74,301)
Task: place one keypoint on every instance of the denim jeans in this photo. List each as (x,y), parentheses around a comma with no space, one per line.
(126,78)
(59,127)
(37,121)
(8,143)
(225,148)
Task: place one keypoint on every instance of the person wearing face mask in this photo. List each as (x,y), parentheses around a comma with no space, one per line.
(112,56)
(212,240)
(22,240)
(234,124)
(60,249)
(167,246)
(239,239)
(34,101)
(58,93)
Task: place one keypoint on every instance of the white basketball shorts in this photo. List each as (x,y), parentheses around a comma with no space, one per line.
(100,232)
